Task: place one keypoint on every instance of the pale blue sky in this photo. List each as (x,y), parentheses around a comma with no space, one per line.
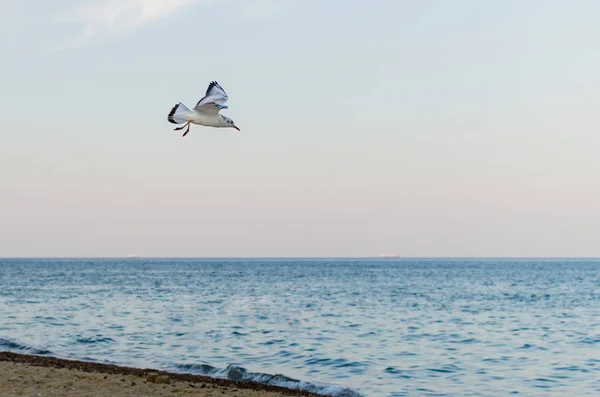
(423,128)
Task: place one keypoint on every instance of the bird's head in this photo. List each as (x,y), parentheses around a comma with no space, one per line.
(230,123)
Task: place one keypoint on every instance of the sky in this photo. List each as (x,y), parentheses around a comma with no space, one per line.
(429,128)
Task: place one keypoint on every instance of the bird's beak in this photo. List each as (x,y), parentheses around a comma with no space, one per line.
(235,126)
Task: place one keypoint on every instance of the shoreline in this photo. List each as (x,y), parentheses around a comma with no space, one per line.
(197,384)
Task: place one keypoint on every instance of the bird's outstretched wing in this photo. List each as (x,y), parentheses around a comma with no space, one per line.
(209,108)
(214,99)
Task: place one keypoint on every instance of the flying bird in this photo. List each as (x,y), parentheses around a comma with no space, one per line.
(206,111)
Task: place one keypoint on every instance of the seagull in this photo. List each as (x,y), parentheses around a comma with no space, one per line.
(206,111)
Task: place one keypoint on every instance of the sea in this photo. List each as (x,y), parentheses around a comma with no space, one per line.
(386,327)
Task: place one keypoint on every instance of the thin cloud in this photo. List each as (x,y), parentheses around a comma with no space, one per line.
(114,17)
(59,25)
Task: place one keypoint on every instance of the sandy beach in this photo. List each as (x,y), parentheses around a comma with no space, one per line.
(40,376)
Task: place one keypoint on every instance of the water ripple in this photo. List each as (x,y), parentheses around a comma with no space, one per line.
(426,327)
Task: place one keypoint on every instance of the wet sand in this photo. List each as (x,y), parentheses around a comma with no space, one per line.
(41,376)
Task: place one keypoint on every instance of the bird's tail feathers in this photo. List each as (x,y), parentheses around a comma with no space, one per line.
(178,113)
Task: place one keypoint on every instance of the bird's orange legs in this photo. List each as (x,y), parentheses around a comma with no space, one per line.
(183,126)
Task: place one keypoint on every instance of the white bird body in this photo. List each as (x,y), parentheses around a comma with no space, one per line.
(182,115)
(206,111)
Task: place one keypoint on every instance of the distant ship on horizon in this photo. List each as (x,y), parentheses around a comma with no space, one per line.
(388,256)
(133,256)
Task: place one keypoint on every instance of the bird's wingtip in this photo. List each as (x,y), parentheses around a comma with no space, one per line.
(172,113)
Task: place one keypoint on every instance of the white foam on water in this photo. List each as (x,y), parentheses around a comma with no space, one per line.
(240,374)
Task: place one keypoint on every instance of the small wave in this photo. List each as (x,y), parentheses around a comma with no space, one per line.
(569,368)
(240,374)
(201,369)
(465,341)
(589,341)
(371,333)
(95,339)
(19,348)
(450,368)
(273,342)
(397,372)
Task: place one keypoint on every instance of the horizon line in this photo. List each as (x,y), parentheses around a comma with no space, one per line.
(300,257)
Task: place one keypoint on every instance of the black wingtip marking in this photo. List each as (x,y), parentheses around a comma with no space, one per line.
(210,86)
(172,113)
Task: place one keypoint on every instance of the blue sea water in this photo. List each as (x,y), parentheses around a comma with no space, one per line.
(347,327)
